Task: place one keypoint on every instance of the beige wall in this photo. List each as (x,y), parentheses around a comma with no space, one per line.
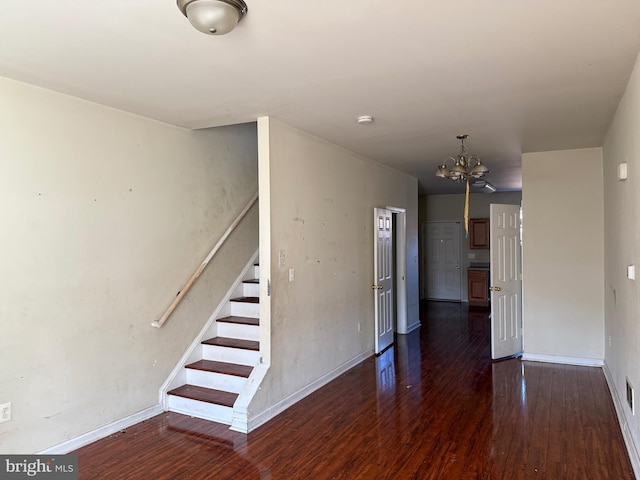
(451,208)
(563,259)
(322,200)
(622,247)
(105,215)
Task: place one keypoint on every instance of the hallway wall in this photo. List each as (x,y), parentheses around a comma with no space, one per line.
(563,255)
(321,218)
(622,248)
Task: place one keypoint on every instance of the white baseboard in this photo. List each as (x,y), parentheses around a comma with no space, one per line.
(584,362)
(263,417)
(632,449)
(102,432)
(413,327)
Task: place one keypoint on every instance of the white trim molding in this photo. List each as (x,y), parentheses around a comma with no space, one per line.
(584,362)
(102,432)
(412,327)
(400,282)
(632,448)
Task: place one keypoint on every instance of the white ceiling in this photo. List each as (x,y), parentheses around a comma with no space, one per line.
(517,76)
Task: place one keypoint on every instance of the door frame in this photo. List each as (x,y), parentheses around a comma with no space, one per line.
(400,268)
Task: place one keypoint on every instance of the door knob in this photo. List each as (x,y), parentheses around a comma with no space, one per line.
(495,289)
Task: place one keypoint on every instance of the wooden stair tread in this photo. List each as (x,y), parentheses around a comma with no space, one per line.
(246,299)
(240,320)
(221,367)
(208,395)
(233,343)
(253,280)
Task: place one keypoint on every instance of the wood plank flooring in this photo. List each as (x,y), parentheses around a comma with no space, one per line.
(432,407)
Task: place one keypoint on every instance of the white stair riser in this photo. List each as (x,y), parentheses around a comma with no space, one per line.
(230,355)
(196,408)
(216,381)
(245,309)
(251,289)
(238,330)
(254,271)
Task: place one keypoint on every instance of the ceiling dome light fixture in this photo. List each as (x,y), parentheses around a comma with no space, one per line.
(464,165)
(213,17)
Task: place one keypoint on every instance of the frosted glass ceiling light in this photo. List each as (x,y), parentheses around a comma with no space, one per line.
(213,17)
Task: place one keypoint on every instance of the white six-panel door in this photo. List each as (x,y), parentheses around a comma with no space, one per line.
(383,278)
(506,281)
(443,260)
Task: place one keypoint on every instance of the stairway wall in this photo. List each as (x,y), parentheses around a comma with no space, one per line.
(322,199)
(105,217)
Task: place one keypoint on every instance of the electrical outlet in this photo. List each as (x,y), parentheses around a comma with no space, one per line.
(5,412)
(292,274)
(282,258)
(358,326)
(609,341)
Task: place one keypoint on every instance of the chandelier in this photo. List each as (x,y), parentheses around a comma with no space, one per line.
(464,165)
(464,168)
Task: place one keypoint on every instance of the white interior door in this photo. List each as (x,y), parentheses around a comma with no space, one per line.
(383,278)
(443,260)
(506,281)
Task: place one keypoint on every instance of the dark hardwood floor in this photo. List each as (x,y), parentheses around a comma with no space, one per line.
(432,407)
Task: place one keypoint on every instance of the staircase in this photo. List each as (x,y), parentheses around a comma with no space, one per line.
(219,368)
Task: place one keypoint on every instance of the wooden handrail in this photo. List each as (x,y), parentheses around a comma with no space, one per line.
(204,263)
